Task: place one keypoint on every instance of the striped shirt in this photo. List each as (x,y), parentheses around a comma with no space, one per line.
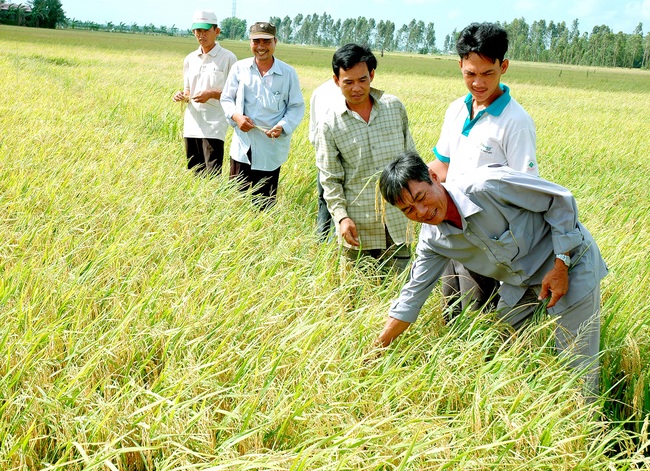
(351,154)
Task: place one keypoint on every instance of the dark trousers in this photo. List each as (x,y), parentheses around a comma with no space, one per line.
(395,257)
(465,289)
(204,155)
(263,183)
(324,219)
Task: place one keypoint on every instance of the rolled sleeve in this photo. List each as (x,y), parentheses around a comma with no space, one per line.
(425,272)
(563,243)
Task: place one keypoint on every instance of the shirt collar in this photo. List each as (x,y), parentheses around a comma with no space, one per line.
(466,207)
(497,106)
(340,107)
(275,68)
(212,52)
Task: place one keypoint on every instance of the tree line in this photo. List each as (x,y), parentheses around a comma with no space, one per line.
(538,42)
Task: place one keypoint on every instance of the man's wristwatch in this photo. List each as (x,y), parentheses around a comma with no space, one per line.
(565,258)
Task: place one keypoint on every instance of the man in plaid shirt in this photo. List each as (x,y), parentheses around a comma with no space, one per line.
(362,133)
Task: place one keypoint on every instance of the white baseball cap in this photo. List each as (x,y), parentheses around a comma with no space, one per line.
(203,19)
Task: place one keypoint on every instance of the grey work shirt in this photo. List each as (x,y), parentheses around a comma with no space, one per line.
(513,225)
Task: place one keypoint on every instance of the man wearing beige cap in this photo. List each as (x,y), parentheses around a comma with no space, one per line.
(263,102)
(204,74)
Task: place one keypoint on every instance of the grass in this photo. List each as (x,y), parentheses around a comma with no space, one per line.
(154,320)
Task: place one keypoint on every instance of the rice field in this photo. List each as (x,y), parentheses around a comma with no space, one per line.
(153,320)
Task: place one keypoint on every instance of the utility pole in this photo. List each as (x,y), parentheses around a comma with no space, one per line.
(234,8)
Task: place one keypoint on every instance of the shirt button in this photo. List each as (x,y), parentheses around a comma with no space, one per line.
(469,233)
(484,249)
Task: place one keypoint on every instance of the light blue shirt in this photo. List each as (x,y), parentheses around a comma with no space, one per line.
(268,100)
(513,224)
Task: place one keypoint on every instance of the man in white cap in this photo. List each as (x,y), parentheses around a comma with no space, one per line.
(204,74)
(264,103)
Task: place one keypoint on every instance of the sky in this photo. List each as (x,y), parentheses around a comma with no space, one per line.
(446,15)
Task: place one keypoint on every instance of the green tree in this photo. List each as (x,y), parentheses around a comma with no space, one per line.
(518,34)
(297,24)
(401,37)
(326,30)
(601,45)
(233,28)
(450,42)
(537,41)
(414,36)
(362,31)
(634,52)
(47,14)
(347,31)
(385,32)
(337,33)
(284,30)
(430,38)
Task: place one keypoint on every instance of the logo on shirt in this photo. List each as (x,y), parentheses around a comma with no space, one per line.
(486,149)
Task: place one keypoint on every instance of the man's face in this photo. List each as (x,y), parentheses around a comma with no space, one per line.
(482,77)
(263,49)
(355,83)
(207,37)
(424,202)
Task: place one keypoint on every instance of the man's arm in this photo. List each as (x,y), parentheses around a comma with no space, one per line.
(205,95)
(234,113)
(520,148)
(295,110)
(331,172)
(332,178)
(560,212)
(228,98)
(425,272)
(392,329)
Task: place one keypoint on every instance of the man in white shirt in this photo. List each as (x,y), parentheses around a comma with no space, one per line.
(319,105)
(204,75)
(486,126)
(263,102)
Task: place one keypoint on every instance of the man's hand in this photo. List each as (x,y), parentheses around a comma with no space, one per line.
(349,231)
(244,123)
(205,95)
(275,131)
(555,283)
(181,96)
(392,329)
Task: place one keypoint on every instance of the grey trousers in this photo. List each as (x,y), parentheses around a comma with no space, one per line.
(577,333)
(464,289)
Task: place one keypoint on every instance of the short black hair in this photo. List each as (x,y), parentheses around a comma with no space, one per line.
(407,166)
(488,40)
(352,54)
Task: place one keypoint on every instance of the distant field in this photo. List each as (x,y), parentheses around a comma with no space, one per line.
(153,320)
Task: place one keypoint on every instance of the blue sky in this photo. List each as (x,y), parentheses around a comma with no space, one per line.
(620,15)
